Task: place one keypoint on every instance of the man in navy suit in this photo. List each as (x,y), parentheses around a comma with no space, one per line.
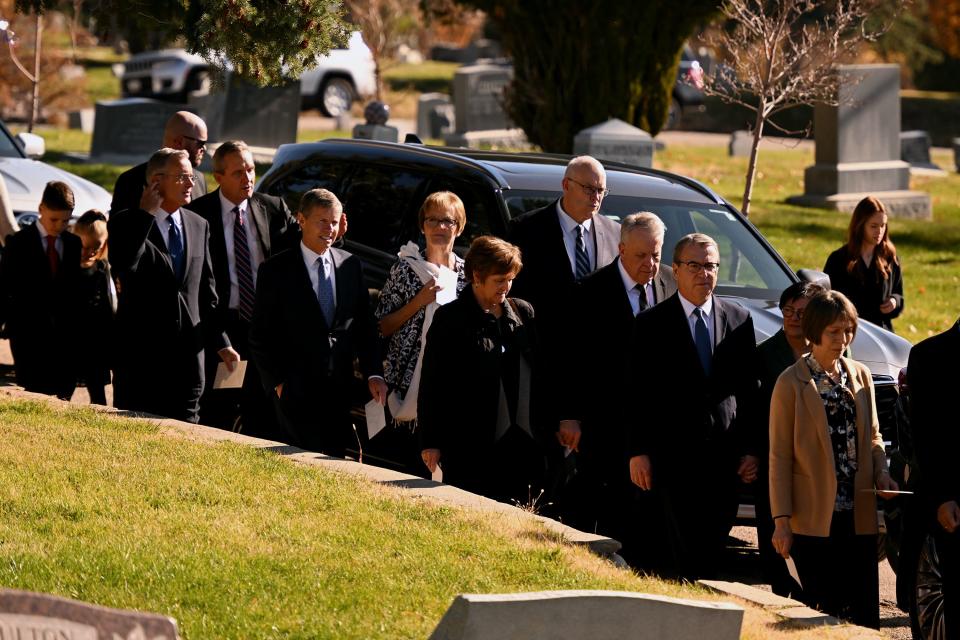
(693,423)
(592,407)
(246,228)
(40,266)
(311,320)
(166,311)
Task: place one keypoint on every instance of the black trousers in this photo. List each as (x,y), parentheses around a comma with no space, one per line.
(771,563)
(839,572)
(948,551)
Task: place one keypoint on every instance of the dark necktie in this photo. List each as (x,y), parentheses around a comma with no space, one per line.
(581,259)
(176,249)
(243,266)
(325,292)
(702,338)
(642,290)
(52,255)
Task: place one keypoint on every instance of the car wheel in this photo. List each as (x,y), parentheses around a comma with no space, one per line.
(926,602)
(336,96)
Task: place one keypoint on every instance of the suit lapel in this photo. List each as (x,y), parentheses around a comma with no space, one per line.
(259,217)
(683,336)
(615,284)
(156,237)
(602,239)
(719,323)
(558,246)
(305,286)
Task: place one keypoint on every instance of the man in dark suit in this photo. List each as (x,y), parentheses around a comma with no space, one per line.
(936,441)
(592,406)
(185,131)
(311,319)
(561,244)
(40,266)
(693,423)
(166,311)
(246,228)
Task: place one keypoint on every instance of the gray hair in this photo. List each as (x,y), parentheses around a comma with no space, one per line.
(583,161)
(699,239)
(225,149)
(161,158)
(318,199)
(644,220)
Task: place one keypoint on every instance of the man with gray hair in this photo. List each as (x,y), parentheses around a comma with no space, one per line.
(561,244)
(693,424)
(184,131)
(592,406)
(166,312)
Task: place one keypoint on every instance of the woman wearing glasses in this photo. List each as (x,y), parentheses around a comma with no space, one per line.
(867,269)
(827,464)
(407,304)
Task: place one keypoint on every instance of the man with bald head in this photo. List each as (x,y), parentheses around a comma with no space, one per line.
(561,244)
(184,131)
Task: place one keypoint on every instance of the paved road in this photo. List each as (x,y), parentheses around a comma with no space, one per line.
(743,550)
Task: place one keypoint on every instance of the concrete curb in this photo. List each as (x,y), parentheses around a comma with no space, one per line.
(409,485)
(792,611)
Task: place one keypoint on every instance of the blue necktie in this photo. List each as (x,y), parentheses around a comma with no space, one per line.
(325,292)
(580,258)
(702,338)
(176,249)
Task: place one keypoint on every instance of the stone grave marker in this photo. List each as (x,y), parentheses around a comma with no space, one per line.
(36,616)
(260,116)
(597,615)
(956,153)
(435,115)
(617,141)
(130,129)
(915,150)
(740,144)
(478,106)
(858,147)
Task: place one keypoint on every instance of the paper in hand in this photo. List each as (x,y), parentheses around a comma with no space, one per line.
(226,379)
(792,570)
(376,418)
(437,476)
(447,281)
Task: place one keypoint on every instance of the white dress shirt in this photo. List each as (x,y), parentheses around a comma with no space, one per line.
(256,254)
(569,226)
(708,318)
(58,243)
(163,224)
(310,260)
(633,292)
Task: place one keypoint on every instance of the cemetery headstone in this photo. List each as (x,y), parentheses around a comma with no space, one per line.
(617,141)
(478,106)
(260,116)
(376,113)
(435,115)
(129,129)
(915,150)
(740,144)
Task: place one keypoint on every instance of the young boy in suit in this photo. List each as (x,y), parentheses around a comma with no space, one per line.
(38,270)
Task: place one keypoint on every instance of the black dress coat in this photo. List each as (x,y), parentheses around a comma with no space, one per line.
(468,352)
(866,287)
(129,188)
(93,325)
(293,345)
(163,324)
(37,309)
(694,427)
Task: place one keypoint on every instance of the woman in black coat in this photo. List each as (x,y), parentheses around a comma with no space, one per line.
(867,268)
(474,410)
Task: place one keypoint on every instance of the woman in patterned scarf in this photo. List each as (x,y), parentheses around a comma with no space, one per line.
(826,464)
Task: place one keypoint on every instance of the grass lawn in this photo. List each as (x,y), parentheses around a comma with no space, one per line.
(805,237)
(238,543)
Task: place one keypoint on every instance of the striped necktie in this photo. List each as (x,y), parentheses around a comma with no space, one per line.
(243,266)
(581,259)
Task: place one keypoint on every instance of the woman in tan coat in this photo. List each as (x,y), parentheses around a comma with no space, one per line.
(826,459)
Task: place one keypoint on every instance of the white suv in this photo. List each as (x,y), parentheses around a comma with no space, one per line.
(339,78)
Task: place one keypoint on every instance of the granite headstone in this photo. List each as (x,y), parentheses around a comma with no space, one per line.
(740,144)
(478,97)
(130,129)
(956,153)
(260,116)
(858,147)
(36,616)
(915,150)
(435,115)
(617,141)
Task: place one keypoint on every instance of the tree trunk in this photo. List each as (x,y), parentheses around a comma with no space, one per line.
(35,100)
(752,165)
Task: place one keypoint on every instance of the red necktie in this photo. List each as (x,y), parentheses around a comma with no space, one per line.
(52,255)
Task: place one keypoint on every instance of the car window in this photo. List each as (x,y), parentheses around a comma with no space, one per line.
(480,204)
(747,267)
(324,174)
(8,148)
(382,203)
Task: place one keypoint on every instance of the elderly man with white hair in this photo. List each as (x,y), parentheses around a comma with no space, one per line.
(561,244)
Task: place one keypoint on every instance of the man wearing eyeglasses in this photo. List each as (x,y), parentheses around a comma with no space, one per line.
(561,244)
(166,313)
(692,426)
(184,131)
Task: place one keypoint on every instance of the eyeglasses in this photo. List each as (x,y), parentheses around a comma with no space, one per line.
(446,223)
(182,178)
(695,267)
(790,312)
(591,191)
(200,143)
